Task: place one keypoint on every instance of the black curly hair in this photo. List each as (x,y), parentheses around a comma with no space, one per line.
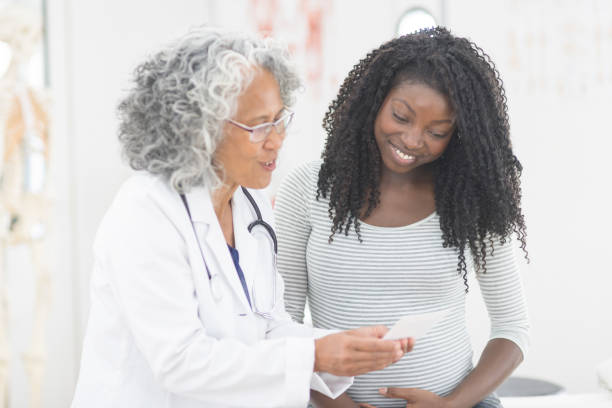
(477,179)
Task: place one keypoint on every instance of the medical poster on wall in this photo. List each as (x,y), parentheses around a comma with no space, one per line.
(567,52)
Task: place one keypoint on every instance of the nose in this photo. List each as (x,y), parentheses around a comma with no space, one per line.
(412,139)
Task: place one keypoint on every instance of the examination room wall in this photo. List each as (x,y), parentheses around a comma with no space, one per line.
(555,58)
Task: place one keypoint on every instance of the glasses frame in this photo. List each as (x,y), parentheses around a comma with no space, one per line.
(265,128)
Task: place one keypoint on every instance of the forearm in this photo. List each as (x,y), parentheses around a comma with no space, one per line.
(499,358)
(321,401)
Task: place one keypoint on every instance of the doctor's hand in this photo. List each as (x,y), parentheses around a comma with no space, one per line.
(358,351)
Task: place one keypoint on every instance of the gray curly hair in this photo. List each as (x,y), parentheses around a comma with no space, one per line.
(171,121)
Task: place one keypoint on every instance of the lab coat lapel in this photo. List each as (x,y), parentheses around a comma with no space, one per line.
(214,246)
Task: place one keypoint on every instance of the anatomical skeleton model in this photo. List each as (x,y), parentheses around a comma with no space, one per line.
(24,206)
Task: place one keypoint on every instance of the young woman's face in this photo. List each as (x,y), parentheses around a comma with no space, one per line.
(246,163)
(413,127)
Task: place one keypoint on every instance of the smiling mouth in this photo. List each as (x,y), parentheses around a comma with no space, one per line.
(269,165)
(401,154)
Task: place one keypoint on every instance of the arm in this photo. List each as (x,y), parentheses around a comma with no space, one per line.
(502,291)
(498,360)
(293,229)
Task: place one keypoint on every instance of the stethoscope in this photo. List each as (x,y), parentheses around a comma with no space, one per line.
(214,280)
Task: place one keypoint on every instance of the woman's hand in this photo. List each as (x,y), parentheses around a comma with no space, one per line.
(415,398)
(358,351)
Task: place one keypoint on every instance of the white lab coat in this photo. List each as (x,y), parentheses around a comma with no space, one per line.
(155,336)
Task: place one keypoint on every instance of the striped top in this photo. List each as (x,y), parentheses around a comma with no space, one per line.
(395,271)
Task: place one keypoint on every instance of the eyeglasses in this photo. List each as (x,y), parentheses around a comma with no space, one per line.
(259,133)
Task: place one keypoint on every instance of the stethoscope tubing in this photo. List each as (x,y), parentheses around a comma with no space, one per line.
(259,221)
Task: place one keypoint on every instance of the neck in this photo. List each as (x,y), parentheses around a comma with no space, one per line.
(221,198)
(420,176)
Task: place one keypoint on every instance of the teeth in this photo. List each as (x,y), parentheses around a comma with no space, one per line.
(403,155)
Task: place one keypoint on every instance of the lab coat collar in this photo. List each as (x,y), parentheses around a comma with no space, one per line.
(200,205)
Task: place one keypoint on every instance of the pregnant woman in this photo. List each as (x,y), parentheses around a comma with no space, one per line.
(417,188)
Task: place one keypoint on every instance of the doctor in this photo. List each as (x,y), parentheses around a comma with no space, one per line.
(186,304)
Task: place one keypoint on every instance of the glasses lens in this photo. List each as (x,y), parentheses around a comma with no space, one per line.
(260,133)
(283,123)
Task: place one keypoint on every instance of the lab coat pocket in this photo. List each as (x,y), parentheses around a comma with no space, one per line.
(217,309)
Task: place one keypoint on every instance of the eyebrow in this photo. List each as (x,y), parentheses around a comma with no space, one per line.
(414,113)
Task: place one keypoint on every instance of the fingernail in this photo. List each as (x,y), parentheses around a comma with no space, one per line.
(383,390)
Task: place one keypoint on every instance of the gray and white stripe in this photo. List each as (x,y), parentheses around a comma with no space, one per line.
(392,273)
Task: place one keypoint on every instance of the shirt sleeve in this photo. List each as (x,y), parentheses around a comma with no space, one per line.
(293,228)
(504,296)
(282,326)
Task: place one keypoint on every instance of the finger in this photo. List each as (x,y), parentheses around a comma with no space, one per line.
(391,392)
(364,368)
(364,405)
(366,362)
(386,357)
(374,345)
(377,332)
(404,344)
(407,344)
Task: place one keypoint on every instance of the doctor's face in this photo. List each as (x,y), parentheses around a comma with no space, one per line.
(247,161)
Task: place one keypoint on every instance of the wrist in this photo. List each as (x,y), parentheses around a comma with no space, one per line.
(316,366)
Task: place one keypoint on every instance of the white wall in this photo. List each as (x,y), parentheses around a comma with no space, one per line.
(559,132)
(556,61)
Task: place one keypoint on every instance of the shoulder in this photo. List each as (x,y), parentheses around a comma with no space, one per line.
(310,170)
(302,178)
(141,204)
(141,190)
